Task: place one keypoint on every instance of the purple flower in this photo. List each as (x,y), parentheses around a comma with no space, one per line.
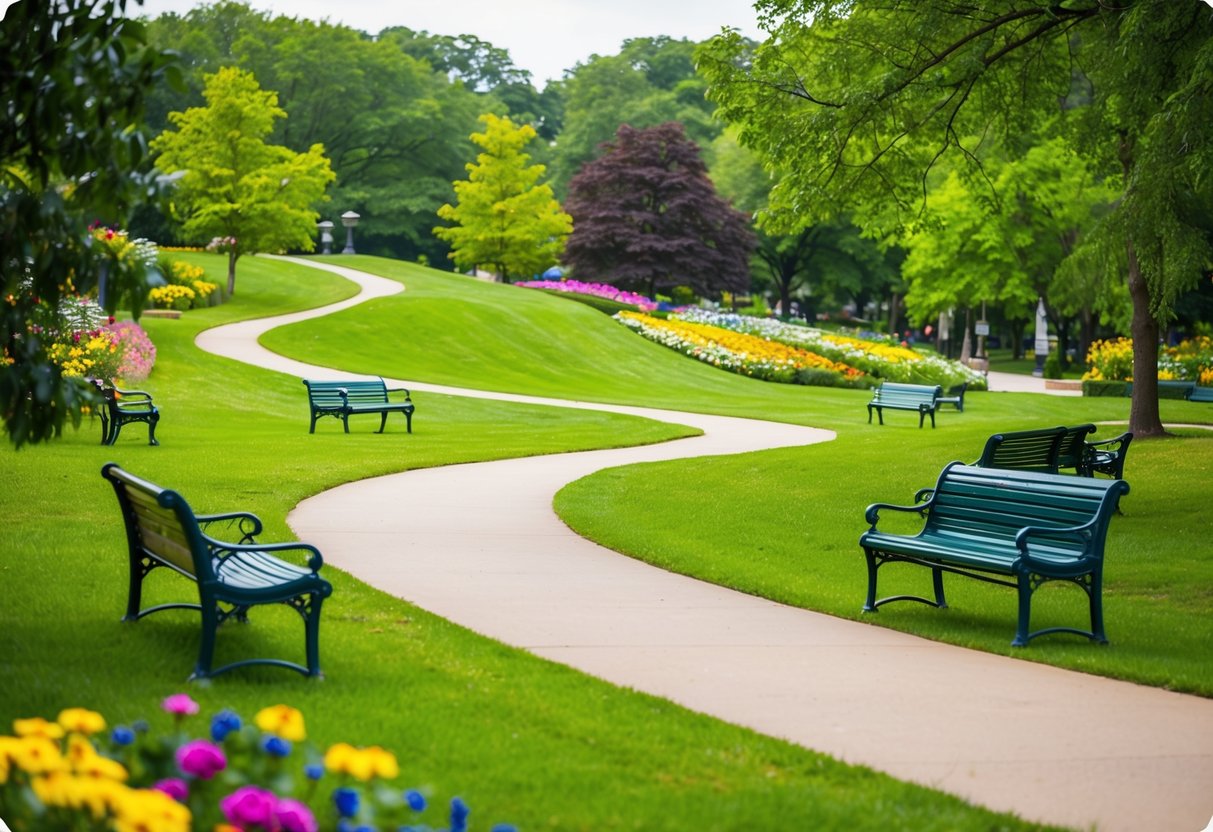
(174,787)
(249,806)
(200,759)
(415,799)
(293,816)
(346,800)
(223,723)
(179,705)
(275,746)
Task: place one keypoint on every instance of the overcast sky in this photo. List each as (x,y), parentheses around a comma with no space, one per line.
(543,36)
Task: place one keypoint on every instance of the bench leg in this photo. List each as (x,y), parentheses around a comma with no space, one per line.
(134,595)
(937,585)
(311,625)
(408,418)
(1095,596)
(206,648)
(1025,611)
(151,428)
(345,420)
(382,421)
(870,604)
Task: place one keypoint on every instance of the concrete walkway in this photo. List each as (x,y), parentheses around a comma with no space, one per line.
(480,545)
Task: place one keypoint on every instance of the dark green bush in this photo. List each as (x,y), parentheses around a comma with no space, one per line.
(606,305)
(1105,388)
(1052,368)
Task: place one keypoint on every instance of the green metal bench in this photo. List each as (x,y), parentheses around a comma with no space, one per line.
(955,397)
(1043,449)
(922,398)
(1200,394)
(1014,528)
(122,407)
(345,398)
(162,530)
(1107,456)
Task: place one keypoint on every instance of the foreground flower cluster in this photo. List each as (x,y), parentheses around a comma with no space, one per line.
(1191,360)
(85,342)
(741,353)
(70,774)
(601,290)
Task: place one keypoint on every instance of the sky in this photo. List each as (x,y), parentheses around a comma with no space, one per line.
(545,37)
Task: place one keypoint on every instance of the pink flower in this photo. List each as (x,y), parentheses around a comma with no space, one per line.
(249,806)
(293,816)
(180,704)
(201,759)
(174,787)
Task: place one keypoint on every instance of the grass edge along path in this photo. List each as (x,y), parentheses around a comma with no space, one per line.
(519,738)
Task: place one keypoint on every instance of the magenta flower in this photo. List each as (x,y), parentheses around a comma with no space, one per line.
(174,787)
(180,704)
(249,806)
(200,759)
(293,816)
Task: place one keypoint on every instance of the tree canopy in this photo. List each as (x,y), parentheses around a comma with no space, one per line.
(75,75)
(868,97)
(252,195)
(505,217)
(647,217)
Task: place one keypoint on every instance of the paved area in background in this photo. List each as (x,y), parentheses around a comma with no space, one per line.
(480,545)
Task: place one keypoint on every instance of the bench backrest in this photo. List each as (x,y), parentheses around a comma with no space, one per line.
(890,392)
(160,523)
(971,503)
(1043,449)
(1071,452)
(328,393)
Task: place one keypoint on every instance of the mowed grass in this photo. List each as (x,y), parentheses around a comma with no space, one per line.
(785,524)
(521,739)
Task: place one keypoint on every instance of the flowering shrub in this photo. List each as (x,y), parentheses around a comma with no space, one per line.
(68,774)
(601,290)
(1191,360)
(882,360)
(221,244)
(92,354)
(138,353)
(748,355)
(172,296)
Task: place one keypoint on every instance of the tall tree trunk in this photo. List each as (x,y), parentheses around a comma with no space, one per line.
(1144,419)
(894,313)
(232,256)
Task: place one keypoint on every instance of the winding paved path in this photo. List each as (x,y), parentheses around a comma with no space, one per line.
(480,545)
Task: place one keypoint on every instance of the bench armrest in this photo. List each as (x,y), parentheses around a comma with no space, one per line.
(1083,534)
(132,394)
(314,559)
(1115,440)
(872,514)
(408,397)
(249,525)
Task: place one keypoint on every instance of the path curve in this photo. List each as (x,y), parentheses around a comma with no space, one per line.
(479,544)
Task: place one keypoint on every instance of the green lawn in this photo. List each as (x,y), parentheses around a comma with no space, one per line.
(522,739)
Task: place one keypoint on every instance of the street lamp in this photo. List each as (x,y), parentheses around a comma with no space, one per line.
(349,219)
(326,236)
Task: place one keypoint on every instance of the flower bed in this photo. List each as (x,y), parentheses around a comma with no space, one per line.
(880,360)
(600,290)
(1191,360)
(69,774)
(738,352)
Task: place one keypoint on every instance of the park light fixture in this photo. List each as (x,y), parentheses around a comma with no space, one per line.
(349,219)
(326,236)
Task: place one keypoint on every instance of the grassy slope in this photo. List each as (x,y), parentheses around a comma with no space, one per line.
(521,739)
(784,524)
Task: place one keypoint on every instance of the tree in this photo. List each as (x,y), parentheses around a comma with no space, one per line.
(868,97)
(251,195)
(75,75)
(646,216)
(504,218)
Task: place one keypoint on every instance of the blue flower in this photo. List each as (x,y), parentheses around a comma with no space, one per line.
(140,726)
(122,735)
(314,771)
(346,800)
(275,746)
(415,799)
(459,815)
(223,723)
(504,827)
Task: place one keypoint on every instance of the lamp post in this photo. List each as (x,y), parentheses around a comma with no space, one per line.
(349,219)
(326,236)
(1042,338)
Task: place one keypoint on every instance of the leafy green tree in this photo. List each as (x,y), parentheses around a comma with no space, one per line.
(868,97)
(234,186)
(647,217)
(504,218)
(75,76)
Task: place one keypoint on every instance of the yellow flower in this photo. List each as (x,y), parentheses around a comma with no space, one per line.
(337,758)
(81,721)
(37,755)
(37,727)
(148,810)
(383,763)
(282,721)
